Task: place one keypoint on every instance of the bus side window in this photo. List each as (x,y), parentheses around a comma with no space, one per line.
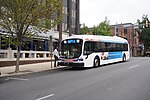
(96,46)
(88,48)
(102,48)
(117,47)
(108,47)
(121,47)
(125,47)
(114,46)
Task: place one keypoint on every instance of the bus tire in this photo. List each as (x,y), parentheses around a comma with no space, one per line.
(124,58)
(96,62)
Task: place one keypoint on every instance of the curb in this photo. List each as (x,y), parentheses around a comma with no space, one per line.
(27,69)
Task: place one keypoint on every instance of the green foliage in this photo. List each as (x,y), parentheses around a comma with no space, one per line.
(102,29)
(21,17)
(145,32)
(84,30)
(145,38)
(142,22)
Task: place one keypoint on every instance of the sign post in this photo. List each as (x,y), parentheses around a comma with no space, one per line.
(51,50)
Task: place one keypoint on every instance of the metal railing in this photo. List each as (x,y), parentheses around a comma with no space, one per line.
(24,55)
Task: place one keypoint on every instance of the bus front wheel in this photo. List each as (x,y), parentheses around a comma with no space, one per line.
(96,62)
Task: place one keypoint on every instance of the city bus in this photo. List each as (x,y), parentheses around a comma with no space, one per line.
(93,50)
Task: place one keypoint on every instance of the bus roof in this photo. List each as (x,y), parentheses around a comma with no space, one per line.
(113,39)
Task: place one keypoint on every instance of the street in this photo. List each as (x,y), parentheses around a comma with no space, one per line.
(120,81)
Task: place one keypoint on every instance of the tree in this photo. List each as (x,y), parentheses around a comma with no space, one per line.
(145,38)
(103,28)
(142,22)
(84,30)
(22,18)
(144,33)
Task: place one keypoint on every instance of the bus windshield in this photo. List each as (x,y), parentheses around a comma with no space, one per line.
(71,48)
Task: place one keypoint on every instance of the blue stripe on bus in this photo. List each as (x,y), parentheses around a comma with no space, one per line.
(114,55)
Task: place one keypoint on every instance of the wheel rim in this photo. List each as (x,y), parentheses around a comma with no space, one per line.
(124,58)
(96,63)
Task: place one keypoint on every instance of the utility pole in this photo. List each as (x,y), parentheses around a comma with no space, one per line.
(77,17)
(60,35)
(70,17)
(0,41)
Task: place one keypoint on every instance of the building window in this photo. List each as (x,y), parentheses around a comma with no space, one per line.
(74,0)
(116,28)
(125,31)
(74,13)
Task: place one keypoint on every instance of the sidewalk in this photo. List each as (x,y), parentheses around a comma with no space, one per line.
(28,68)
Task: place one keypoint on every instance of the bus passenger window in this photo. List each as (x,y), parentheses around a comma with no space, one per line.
(88,47)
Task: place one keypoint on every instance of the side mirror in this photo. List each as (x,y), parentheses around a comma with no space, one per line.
(87,56)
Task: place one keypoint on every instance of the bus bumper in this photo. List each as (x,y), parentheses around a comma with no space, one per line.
(71,64)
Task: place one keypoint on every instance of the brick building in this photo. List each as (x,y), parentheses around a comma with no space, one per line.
(127,31)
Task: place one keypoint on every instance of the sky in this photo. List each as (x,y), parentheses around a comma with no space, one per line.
(93,12)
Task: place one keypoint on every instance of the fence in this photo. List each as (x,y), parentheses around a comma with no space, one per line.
(25,55)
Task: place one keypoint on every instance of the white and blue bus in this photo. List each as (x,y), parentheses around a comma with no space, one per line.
(93,50)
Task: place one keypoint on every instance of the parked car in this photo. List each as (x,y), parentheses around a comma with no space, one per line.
(147,54)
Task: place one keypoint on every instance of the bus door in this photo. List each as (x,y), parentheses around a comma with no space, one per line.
(88,53)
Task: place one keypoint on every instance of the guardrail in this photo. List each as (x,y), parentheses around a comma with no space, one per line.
(25,55)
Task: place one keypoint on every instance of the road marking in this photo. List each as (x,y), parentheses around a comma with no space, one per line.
(133,66)
(20,79)
(45,97)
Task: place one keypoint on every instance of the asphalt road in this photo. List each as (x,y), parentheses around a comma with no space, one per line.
(120,81)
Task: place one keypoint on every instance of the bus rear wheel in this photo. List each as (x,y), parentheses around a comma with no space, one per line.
(96,62)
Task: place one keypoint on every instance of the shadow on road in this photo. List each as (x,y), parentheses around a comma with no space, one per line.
(41,73)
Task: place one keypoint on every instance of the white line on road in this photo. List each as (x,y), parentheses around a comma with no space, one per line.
(45,97)
(133,66)
(20,79)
